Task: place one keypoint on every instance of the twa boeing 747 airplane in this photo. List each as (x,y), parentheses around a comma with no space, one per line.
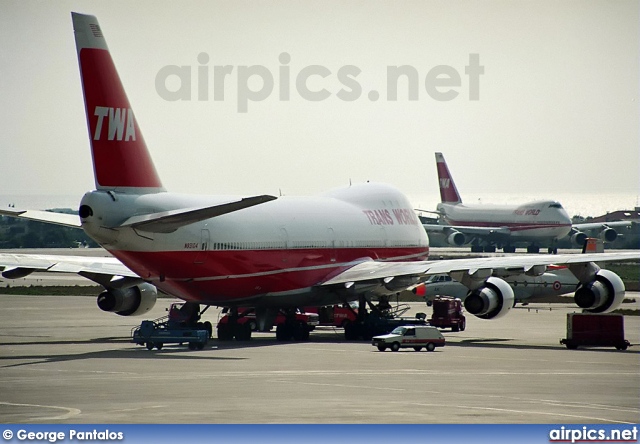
(271,254)
(536,224)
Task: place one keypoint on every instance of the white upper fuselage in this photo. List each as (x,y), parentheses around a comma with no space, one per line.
(287,245)
(531,221)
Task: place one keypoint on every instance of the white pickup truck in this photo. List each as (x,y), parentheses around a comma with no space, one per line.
(415,336)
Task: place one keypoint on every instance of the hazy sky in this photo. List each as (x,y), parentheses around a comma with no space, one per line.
(558,100)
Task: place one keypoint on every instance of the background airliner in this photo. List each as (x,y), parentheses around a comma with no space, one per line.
(272,254)
(487,227)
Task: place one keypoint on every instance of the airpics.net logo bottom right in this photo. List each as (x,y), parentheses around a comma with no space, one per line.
(587,434)
(256,83)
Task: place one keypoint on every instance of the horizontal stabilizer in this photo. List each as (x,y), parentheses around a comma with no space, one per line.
(14,265)
(68,220)
(170,221)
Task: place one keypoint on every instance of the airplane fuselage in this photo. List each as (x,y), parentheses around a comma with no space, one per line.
(268,253)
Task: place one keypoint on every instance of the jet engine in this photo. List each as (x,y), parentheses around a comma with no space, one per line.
(602,295)
(578,238)
(608,234)
(491,301)
(456,238)
(131,301)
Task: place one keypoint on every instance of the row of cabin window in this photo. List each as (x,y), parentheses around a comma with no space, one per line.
(295,244)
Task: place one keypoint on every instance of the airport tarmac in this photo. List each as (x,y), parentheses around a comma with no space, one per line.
(64,361)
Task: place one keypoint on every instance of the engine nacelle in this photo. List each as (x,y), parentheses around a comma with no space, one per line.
(131,301)
(604,294)
(578,238)
(491,301)
(456,238)
(608,235)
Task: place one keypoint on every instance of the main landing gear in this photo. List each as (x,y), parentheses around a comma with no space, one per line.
(292,330)
(188,315)
(233,329)
(290,324)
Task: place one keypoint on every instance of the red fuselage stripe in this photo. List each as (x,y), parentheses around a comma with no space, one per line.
(240,274)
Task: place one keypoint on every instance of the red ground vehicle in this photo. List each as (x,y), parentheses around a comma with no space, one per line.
(595,330)
(295,325)
(335,315)
(448,312)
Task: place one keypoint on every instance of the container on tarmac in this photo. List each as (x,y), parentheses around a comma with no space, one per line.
(595,330)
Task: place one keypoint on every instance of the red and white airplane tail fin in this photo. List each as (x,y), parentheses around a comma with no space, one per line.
(120,157)
(448,190)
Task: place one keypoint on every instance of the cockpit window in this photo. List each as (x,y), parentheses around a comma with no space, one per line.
(555,205)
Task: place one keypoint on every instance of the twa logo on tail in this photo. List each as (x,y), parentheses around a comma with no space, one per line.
(448,190)
(116,123)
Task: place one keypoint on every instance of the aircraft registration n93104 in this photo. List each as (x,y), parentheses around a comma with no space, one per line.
(265,252)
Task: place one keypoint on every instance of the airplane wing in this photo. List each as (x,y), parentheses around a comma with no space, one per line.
(600,225)
(607,231)
(476,231)
(501,266)
(107,271)
(67,220)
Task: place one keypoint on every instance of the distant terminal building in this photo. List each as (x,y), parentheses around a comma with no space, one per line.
(624,215)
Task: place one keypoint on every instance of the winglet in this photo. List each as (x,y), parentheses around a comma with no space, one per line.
(448,190)
(120,157)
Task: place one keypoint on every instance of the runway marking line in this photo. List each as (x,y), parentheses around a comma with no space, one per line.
(71,412)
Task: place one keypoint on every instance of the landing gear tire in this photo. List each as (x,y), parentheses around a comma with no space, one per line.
(283,332)
(150,345)
(192,345)
(159,345)
(351,331)
(225,333)
(509,249)
(533,249)
(300,332)
(243,332)
(552,250)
